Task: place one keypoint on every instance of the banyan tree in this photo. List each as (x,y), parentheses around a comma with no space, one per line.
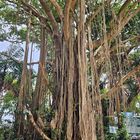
(81,43)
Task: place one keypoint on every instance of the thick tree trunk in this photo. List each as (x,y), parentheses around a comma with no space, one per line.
(74,111)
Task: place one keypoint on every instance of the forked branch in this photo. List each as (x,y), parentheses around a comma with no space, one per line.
(58,8)
(49,14)
(33,10)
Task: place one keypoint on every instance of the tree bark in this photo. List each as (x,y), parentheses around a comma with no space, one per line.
(20,117)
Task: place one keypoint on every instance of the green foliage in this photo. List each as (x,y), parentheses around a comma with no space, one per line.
(22,33)
(7,132)
(133,84)
(135,57)
(8,97)
(110,136)
(133,105)
(10,60)
(8,78)
(122,134)
(1,134)
(132,29)
(9,103)
(8,107)
(12,22)
(104,91)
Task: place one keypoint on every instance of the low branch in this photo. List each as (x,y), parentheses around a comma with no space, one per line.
(34,11)
(132,38)
(123,7)
(49,14)
(131,14)
(119,83)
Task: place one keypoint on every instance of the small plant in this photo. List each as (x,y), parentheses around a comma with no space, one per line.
(122,134)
